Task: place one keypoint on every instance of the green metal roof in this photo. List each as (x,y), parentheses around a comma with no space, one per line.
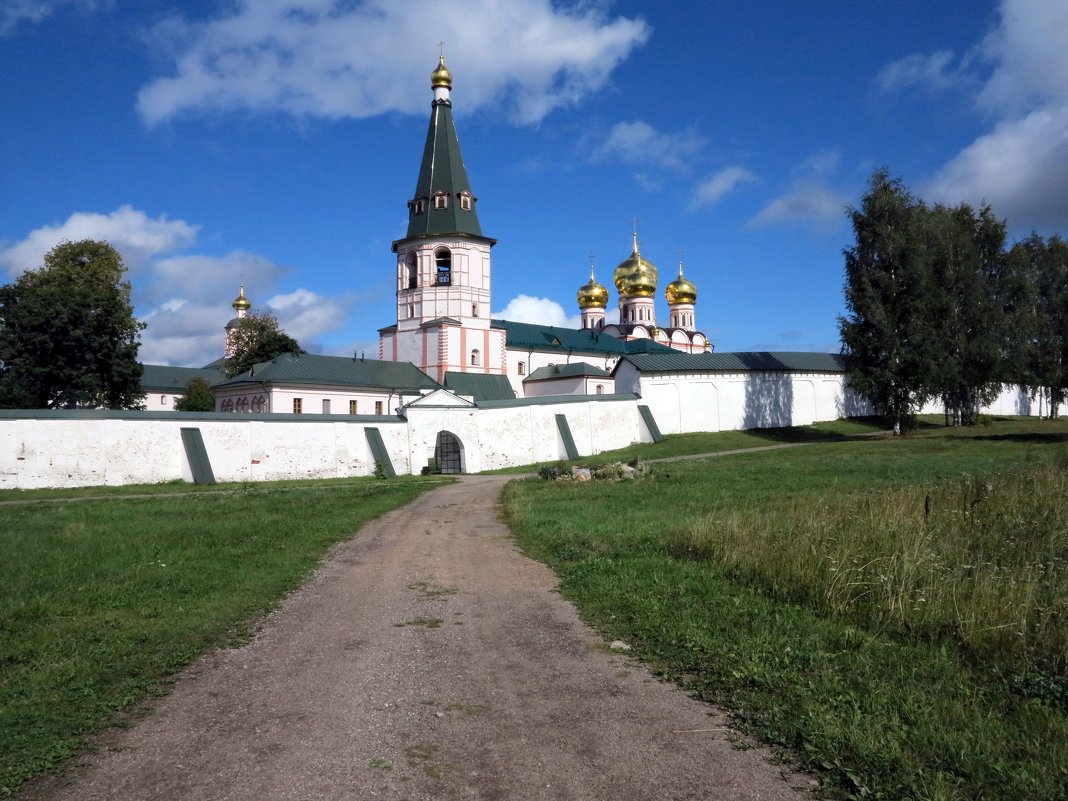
(164,378)
(480,386)
(575,369)
(344,371)
(770,361)
(543,400)
(531,336)
(442,170)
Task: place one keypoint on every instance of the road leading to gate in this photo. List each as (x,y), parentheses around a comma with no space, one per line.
(427,658)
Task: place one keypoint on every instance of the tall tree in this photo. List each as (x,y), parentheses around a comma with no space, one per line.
(68,337)
(1044,356)
(969,307)
(258,339)
(885,333)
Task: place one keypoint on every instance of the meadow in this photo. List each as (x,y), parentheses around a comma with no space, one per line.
(102,600)
(892,613)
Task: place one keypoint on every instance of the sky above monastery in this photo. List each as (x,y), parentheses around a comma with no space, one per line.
(277,142)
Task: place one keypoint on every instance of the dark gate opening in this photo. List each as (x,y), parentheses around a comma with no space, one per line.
(449,453)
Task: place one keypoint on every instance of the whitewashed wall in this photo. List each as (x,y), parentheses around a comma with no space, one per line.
(687,402)
(1013,400)
(73,449)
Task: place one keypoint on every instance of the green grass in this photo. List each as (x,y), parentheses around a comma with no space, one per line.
(101,601)
(718,441)
(719,573)
(166,488)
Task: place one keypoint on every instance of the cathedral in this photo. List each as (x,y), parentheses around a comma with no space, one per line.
(445,342)
(444,271)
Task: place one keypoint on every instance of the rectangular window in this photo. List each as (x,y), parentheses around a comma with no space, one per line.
(326,406)
(378,407)
(298,405)
(352,407)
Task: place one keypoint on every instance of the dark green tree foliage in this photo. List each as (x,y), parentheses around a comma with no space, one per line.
(258,339)
(885,333)
(197,397)
(969,296)
(68,337)
(1043,321)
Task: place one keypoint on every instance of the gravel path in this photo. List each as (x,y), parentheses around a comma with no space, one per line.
(427,658)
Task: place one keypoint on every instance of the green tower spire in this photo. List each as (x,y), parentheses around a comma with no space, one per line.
(443,202)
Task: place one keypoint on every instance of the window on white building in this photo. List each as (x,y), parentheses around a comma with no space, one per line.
(521,368)
(443,262)
(326,405)
(298,405)
(475,358)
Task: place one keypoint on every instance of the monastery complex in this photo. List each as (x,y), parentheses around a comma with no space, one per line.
(452,389)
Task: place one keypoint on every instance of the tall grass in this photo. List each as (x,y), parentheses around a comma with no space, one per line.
(983,560)
(897,625)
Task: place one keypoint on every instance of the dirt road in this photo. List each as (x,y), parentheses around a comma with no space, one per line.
(426,659)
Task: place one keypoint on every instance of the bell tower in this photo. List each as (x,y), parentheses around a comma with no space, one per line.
(443,263)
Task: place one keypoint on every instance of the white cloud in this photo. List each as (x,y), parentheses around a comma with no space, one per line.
(1030,50)
(712,190)
(809,203)
(184,298)
(542,311)
(12,12)
(346,58)
(133,233)
(1020,166)
(304,314)
(931,72)
(640,143)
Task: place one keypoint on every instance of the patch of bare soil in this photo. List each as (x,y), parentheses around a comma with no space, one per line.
(427,658)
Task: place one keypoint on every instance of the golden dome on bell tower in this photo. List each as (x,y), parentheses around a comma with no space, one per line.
(592,295)
(441,76)
(241,303)
(635,276)
(681,290)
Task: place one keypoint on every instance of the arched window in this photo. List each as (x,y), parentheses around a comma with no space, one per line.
(441,200)
(228,405)
(443,262)
(600,389)
(475,358)
(522,368)
(412,269)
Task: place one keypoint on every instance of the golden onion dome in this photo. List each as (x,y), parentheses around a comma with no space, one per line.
(241,303)
(592,295)
(635,277)
(680,290)
(441,76)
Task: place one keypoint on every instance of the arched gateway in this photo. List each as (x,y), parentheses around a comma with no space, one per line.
(449,453)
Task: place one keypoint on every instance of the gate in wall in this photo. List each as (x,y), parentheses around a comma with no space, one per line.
(449,453)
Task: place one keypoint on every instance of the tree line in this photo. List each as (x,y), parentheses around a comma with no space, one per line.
(938,308)
(69,338)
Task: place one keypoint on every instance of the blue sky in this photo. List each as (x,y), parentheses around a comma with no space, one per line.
(278,141)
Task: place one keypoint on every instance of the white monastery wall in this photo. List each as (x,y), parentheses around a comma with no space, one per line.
(115,448)
(74,449)
(684,403)
(1013,400)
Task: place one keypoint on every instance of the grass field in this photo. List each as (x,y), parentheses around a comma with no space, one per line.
(102,600)
(894,612)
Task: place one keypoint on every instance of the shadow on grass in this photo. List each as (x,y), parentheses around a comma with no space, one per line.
(1034,438)
(836,431)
